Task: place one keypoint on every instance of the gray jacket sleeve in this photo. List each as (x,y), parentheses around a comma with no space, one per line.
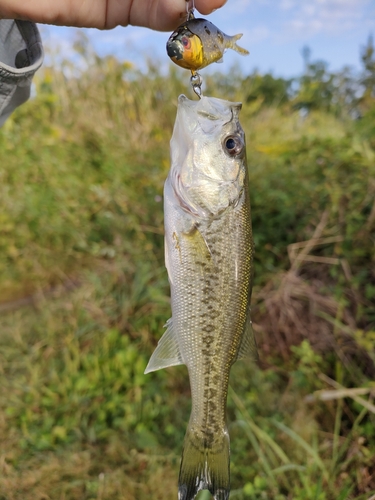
(21,54)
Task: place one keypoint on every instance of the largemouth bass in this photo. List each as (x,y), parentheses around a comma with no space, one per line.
(197,43)
(208,254)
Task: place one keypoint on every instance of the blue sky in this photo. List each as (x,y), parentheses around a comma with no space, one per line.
(275,31)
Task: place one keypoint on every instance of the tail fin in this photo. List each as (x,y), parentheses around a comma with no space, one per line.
(204,468)
(237,48)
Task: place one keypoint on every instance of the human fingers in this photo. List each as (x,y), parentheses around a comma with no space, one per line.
(162,15)
(166,15)
(60,12)
(205,7)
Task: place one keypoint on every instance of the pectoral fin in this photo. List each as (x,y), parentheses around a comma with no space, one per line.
(167,352)
(248,347)
(199,243)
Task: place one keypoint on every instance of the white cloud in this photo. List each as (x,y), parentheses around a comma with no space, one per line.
(323,16)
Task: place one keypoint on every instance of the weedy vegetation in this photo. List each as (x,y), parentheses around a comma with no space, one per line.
(84,292)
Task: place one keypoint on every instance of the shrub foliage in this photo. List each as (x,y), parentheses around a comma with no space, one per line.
(84,292)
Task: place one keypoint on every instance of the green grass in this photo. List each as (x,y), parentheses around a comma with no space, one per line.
(85,295)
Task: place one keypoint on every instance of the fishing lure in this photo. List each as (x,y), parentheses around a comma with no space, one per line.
(197,43)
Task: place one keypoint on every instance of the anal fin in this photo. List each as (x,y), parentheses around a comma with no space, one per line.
(167,352)
(248,347)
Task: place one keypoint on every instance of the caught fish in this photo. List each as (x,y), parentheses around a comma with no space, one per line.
(198,43)
(208,254)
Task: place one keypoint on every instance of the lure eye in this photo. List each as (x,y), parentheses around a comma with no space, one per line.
(186,42)
(233,145)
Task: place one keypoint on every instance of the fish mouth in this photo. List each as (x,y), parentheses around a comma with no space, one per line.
(175,49)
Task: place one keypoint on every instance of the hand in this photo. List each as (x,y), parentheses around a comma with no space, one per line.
(162,15)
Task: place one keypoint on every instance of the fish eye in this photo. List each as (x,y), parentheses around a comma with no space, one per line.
(186,42)
(233,145)
(230,144)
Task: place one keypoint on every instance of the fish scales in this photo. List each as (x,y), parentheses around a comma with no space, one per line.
(208,242)
(212,301)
